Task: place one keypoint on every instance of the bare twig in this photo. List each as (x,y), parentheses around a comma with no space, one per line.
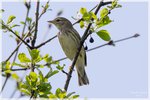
(94,48)
(16,35)
(8,75)
(36,25)
(40,45)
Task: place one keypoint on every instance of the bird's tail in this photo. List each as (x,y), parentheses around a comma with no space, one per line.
(82,78)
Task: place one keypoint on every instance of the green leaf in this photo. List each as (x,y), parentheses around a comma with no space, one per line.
(22,22)
(60,67)
(28,82)
(15,76)
(41,76)
(33,76)
(93,15)
(20,65)
(16,32)
(114,3)
(86,16)
(35,55)
(103,21)
(47,58)
(8,65)
(22,57)
(104,12)
(75,96)
(15,25)
(70,94)
(58,91)
(118,6)
(104,34)
(10,19)
(25,91)
(2,10)
(52,96)
(44,87)
(29,19)
(81,24)
(51,73)
(46,6)
(83,11)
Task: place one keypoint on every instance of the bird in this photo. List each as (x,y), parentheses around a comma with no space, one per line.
(69,40)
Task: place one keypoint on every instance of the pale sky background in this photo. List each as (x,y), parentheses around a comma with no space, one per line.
(113,72)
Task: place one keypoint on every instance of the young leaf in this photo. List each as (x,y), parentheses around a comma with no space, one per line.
(93,15)
(70,94)
(33,76)
(22,22)
(114,3)
(35,55)
(75,96)
(25,91)
(20,65)
(103,21)
(29,19)
(104,34)
(2,10)
(60,67)
(10,19)
(15,25)
(58,91)
(87,16)
(104,12)
(22,57)
(81,24)
(15,76)
(8,65)
(83,11)
(51,73)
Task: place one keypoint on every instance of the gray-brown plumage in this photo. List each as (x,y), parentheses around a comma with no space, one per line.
(70,41)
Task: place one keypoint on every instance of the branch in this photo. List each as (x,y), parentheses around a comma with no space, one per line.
(34,41)
(8,75)
(36,24)
(16,35)
(40,45)
(94,48)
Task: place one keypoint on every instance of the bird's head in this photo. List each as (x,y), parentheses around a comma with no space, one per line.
(61,22)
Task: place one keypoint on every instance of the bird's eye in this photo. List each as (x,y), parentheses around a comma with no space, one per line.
(58,20)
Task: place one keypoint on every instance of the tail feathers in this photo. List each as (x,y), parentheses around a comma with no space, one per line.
(83,80)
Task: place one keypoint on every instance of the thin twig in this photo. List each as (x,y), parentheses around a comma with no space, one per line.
(40,45)
(36,24)
(34,41)
(9,74)
(94,48)
(16,35)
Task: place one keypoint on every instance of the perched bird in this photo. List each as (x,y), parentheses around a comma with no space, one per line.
(70,40)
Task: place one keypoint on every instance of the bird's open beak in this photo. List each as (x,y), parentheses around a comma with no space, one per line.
(50,21)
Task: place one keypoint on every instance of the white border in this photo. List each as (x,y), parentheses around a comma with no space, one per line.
(89,1)
(74,0)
